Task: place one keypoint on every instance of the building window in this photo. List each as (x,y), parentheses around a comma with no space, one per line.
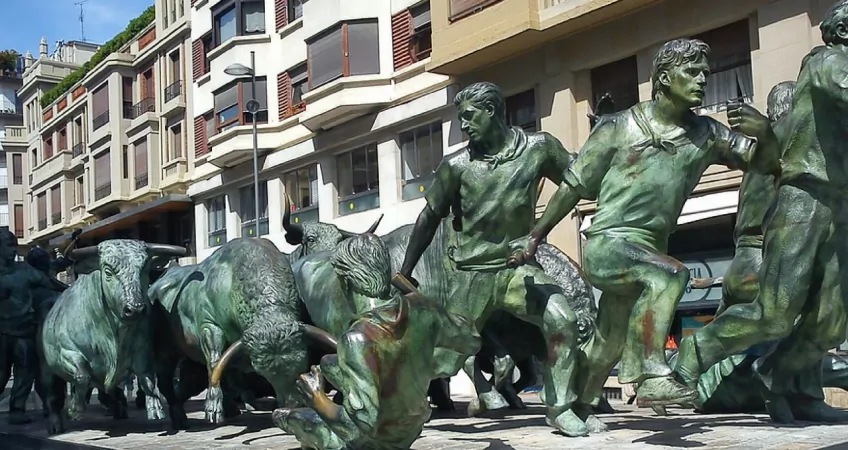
(41,206)
(420,151)
(103,176)
(296,9)
(299,77)
(55,205)
(48,148)
(359,180)
(730,77)
(19,221)
(18,169)
(348,49)
(216,221)
(78,138)
(230,104)
(464,8)
(619,81)
(140,159)
(125,162)
(237,18)
(63,139)
(100,106)
(175,149)
(248,210)
(33,159)
(79,192)
(421,42)
(521,110)
(301,187)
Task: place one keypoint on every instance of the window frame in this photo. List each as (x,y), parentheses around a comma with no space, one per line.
(423,32)
(302,78)
(718,61)
(290,6)
(210,212)
(295,204)
(17,168)
(261,222)
(345,50)
(349,153)
(514,100)
(237,6)
(242,85)
(435,124)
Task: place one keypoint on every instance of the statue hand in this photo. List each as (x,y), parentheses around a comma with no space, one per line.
(76,233)
(522,250)
(311,383)
(747,120)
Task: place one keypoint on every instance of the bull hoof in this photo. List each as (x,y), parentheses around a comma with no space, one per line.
(155,411)
(179,420)
(214,408)
(55,424)
(489,401)
(515,402)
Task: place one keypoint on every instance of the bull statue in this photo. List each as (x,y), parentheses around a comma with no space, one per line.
(243,294)
(99,330)
(507,342)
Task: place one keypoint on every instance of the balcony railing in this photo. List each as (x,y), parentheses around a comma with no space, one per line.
(140,180)
(102,191)
(56,219)
(78,150)
(173,91)
(18,179)
(4,181)
(42,224)
(100,120)
(4,219)
(7,107)
(145,106)
(15,133)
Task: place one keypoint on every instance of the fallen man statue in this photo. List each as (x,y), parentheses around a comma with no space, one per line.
(384,363)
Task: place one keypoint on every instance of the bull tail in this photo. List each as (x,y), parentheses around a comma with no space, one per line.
(316,334)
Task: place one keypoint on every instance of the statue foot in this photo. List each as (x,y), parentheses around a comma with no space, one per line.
(179,420)
(214,408)
(663,391)
(817,411)
(119,411)
(487,401)
(19,418)
(659,410)
(568,423)
(515,402)
(55,424)
(586,414)
(307,427)
(778,409)
(503,370)
(603,407)
(155,411)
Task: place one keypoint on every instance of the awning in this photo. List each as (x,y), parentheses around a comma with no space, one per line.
(149,210)
(696,208)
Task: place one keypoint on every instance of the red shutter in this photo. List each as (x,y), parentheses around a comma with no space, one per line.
(284,94)
(201,146)
(281,13)
(401,35)
(197,59)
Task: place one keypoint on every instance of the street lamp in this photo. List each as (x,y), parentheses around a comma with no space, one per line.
(252,106)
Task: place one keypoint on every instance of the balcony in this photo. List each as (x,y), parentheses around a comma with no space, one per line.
(8,108)
(145,106)
(78,150)
(56,219)
(50,169)
(143,115)
(141,181)
(344,99)
(15,135)
(100,120)
(42,224)
(173,91)
(102,192)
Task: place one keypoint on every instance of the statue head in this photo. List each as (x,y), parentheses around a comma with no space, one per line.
(680,72)
(39,259)
(834,26)
(780,100)
(481,109)
(8,246)
(362,263)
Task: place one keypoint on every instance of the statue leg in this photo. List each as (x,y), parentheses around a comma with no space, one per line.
(71,362)
(166,366)
(212,345)
(118,403)
(533,296)
(308,428)
(24,369)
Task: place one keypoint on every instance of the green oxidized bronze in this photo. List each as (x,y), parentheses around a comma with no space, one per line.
(640,165)
(384,361)
(803,264)
(491,190)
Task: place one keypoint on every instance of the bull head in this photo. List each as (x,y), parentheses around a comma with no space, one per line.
(124,272)
(317,236)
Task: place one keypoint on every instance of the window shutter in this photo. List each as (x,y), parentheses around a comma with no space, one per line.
(281,13)
(197,58)
(284,94)
(401,34)
(201,146)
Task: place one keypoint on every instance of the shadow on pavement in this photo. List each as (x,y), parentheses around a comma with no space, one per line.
(19,442)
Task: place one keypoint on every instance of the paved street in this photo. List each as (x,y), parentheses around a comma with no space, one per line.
(631,429)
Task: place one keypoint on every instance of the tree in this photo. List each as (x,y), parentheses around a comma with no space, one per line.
(8,60)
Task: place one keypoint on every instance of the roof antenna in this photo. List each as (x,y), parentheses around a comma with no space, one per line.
(81,19)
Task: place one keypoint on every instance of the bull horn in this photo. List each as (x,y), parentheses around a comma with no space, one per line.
(320,336)
(705,283)
(82,253)
(370,230)
(294,232)
(166,250)
(218,371)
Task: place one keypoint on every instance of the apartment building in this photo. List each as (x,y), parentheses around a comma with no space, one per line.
(22,140)
(11,115)
(108,153)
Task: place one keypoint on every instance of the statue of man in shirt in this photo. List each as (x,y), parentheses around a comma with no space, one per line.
(641,165)
(491,189)
(804,252)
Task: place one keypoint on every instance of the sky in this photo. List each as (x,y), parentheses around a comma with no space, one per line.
(28,20)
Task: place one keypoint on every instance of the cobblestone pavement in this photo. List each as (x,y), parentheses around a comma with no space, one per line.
(631,428)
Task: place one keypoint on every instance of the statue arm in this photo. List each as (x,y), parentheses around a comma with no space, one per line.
(353,377)
(581,179)
(832,77)
(439,198)
(759,154)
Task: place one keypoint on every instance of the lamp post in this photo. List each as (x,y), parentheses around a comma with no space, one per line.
(252,106)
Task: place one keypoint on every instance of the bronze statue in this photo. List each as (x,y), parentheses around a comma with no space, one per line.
(641,164)
(804,250)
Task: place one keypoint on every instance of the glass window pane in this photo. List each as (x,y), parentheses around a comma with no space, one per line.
(429,159)
(226,23)
(360,170)
(253,14)
(363,48)
(326,57)
(345,175)
(373,168)
(409,156)
(225,99)
(228,114)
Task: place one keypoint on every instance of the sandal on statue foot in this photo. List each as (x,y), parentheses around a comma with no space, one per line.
(817,411)
(568,424)
(663,391)
(487,401)
(586,413)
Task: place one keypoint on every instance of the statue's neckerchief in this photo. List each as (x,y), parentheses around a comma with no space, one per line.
(655,140)
(510,153)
